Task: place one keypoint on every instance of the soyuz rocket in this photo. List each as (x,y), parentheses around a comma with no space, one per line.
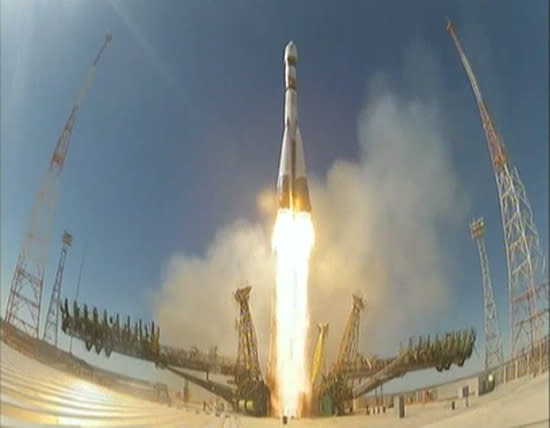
(292,188)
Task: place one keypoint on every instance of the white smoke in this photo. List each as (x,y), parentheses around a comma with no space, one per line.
(195,306)
(377,224)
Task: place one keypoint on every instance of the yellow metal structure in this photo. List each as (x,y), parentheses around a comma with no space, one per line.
(348,352)
(318,365)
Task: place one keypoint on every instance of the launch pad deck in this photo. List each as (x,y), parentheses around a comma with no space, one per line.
(34,394)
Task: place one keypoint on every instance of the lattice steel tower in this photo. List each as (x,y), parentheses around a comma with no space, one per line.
(348,352)
(525,261)
(51,327)
(28,278)
(247,354)
(493,343)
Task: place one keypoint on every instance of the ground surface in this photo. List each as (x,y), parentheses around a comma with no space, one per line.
(33,394)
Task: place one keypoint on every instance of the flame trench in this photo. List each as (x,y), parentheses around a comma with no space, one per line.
(293,240)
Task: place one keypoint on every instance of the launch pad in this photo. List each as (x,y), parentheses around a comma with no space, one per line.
(246,389)
(37,389)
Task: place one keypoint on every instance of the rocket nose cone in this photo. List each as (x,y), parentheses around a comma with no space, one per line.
(291,53)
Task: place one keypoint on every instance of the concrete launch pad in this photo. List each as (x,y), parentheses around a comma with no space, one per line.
(33,394)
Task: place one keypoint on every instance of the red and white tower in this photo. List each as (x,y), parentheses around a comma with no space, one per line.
(28,278)
(525,260)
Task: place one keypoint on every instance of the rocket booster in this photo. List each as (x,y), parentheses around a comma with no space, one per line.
(292,188)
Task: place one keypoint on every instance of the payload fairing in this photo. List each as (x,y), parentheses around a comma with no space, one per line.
(292,187)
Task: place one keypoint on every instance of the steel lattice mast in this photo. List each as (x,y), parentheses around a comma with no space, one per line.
(52,318)
(247,354)
(348,352)
(28,278)
(493,343)
(525,261)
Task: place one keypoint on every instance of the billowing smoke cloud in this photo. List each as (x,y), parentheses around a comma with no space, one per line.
(195,306)
(377,224)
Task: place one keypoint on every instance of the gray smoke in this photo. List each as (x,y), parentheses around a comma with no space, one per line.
(377,224)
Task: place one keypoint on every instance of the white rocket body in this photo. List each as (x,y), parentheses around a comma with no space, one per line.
(292,184)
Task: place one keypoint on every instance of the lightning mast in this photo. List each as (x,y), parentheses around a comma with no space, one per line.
(52,318)
(528,307)
(28,278)
(493,342)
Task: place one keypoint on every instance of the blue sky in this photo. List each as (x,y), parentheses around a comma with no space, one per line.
(182,127)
